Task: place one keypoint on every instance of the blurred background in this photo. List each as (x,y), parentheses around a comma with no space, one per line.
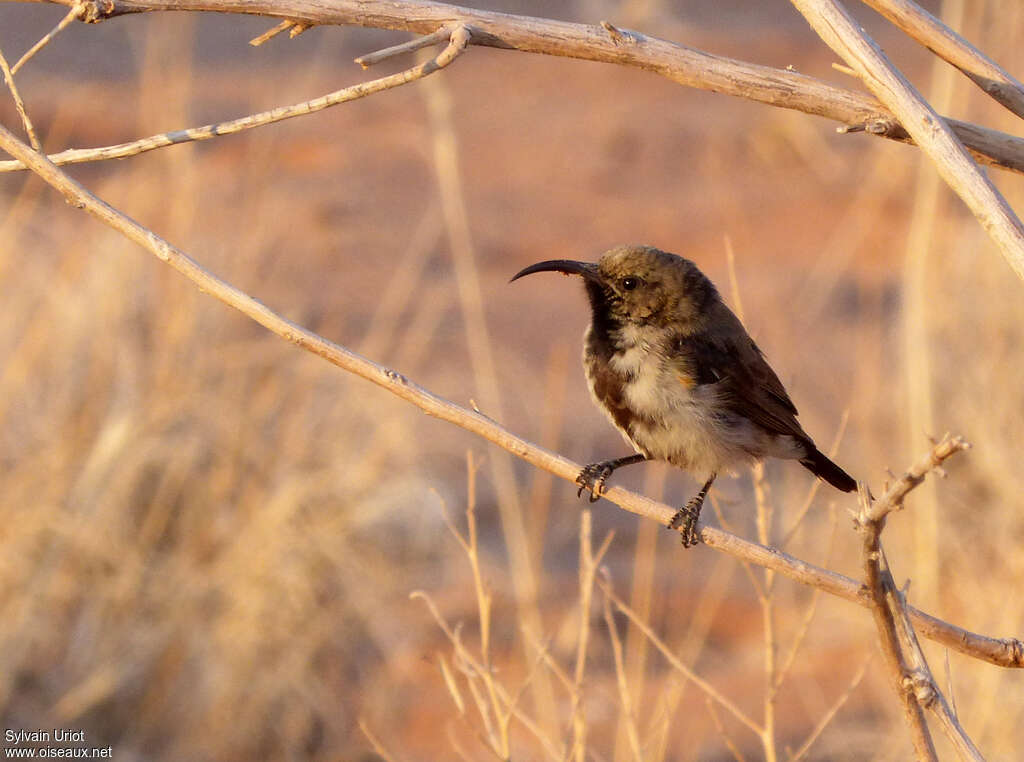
(209,537)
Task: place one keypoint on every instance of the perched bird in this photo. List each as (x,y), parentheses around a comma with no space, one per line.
(678,375)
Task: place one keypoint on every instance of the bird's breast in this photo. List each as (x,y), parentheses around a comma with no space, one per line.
(657,404)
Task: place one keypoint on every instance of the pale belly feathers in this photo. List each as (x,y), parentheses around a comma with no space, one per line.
(686,425)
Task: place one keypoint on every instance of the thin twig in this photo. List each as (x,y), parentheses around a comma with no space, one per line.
(809,612)
(925,688)
(459,38)
(19,104)
(928,30)
(452,685)
(483,598)
(588,566)
(709,690)
(76,12)
(765,512)
(726,739)
(470,663)
(893,498)
(620,676)
(271,33)
(812,491)
(832,711)
(1006,652)
(378,747)
(403,48)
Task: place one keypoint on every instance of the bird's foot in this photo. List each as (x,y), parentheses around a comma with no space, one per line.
(592,479)
(686,520)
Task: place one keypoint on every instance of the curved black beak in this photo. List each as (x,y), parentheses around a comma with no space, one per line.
(568,266)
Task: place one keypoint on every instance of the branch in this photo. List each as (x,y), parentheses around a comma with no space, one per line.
(926,690)
(928,30)
(845,36)
(894,496)
(1003,652)
(456,37)
(878,585)
(684,65)
(907,666)
(19,104)
(46,39)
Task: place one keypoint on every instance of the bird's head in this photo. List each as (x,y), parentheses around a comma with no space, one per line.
(639,285)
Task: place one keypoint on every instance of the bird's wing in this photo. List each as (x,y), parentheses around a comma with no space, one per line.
(746,383)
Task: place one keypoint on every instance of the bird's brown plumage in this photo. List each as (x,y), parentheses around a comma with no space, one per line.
(676,371)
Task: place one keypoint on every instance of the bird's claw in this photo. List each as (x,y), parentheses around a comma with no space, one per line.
(686,519)
(592,478)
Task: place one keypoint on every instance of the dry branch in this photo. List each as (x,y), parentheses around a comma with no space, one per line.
(922,26)
(924,685)
(19,104)
(71,15)
(457,44)
(682,64)
(885,621)
(1007,652)
(936,138)
(908,669)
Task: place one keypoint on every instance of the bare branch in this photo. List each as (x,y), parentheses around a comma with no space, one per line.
(458,38)
(885,622)
(1007,652)
(272,33)
(378,747)
(589,563)
(620,678)
(76,12)
(425,41)
(908,667)
(709,690)
(826,718)
(19,104)
(846,37)
(926,690)
(684,65)
(894,496)
(950,46)
(726,739)
(475,668)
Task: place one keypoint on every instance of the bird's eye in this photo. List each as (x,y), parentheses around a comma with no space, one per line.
(628,284)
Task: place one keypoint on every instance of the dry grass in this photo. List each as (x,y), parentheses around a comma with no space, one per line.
(209,539)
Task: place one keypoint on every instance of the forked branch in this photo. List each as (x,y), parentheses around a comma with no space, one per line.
(457,38)
(907,667)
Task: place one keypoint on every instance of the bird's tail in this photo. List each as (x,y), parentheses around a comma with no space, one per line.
(818,464)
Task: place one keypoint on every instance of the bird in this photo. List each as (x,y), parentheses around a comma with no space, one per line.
(678,375)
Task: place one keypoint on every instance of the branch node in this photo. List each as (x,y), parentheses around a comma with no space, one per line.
(95,11)
(920,685)
(616,34)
